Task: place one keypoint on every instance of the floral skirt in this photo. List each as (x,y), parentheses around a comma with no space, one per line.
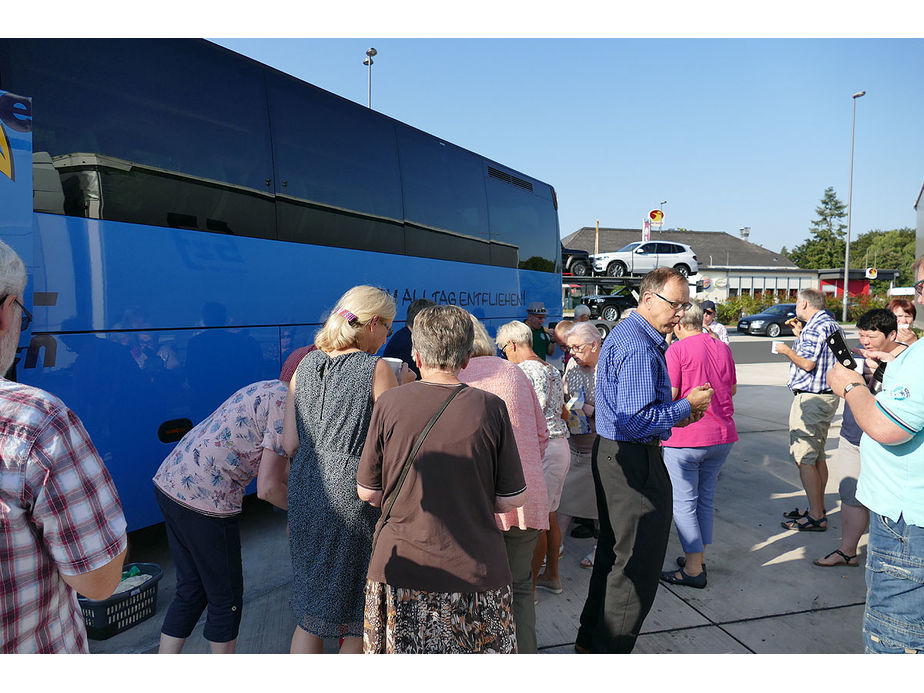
(399,620)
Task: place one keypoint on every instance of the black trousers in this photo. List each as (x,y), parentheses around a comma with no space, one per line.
(634,505)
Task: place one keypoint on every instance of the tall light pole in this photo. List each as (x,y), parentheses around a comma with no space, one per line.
(368,61)
(853,124)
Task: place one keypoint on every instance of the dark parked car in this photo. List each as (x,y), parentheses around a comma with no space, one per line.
(771,321)
(575,261)
(610,307)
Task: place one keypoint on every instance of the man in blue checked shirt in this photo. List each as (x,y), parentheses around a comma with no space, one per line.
(813,406)
(635,412)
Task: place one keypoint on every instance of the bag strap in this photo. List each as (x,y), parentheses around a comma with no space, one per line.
(410,459)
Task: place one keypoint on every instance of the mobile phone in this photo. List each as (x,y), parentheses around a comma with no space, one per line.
(841,352)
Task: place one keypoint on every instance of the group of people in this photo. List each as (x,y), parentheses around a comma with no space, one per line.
(427,495)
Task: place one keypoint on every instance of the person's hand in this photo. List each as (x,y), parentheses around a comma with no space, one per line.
(796,325)
(840,377)
(699,398)
(905,334)
(406,375)
(874,355)
(784,349)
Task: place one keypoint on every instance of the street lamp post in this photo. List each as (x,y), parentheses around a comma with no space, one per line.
(853,124)
(368,61)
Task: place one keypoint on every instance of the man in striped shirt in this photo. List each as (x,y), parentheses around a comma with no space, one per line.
(61,524)
(634,413)
(813,406)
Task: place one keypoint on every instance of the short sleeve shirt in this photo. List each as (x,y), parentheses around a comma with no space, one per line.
(59,515)
(892,477)
(551,393)
(213,463)
(811,345)
(441,535)
(541,341)
(693,361)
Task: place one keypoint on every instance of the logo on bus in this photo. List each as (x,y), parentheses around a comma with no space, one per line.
(15,114)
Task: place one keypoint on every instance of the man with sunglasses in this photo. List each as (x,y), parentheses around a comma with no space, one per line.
(710,324)
(61,522)
(891,485)
(635,411)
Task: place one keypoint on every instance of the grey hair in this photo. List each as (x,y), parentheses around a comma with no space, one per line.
(443,337)
(581,309)
(482,345)
(515,331)
(814,297)
(12,272)
(585,331)
(693,317)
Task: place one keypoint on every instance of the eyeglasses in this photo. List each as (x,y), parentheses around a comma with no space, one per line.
(709,312)
(575,349)
(25,317)
(504,349)
(919,287)
(675,305)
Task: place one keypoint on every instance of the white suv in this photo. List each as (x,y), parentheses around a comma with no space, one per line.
(643,256)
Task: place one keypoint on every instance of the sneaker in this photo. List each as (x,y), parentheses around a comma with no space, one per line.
(553,586)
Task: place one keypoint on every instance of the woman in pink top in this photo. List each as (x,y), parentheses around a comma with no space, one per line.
(522,526)
(694,454)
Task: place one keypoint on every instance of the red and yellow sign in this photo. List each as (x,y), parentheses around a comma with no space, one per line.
(656,215)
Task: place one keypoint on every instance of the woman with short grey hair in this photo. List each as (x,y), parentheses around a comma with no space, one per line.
(578,496)
(439,580)
(515,340)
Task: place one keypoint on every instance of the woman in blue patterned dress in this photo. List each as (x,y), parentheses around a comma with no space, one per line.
(327,416)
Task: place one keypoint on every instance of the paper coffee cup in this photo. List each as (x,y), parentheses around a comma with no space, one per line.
(395,365)
(773,347)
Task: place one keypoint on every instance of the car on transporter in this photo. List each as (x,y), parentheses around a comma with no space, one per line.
(770,321)
(612,307)
(641,257)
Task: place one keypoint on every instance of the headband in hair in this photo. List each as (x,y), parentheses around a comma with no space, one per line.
(343,312)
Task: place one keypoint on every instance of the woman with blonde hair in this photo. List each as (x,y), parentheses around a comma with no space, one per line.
(515,339)
(327,416)
(521,527)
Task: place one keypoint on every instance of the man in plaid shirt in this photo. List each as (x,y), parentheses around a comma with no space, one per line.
(61,525)
(813,406)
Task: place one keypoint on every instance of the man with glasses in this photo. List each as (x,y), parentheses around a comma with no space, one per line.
(891,485)
(710,324)
(635,411)
(813,406)
(61,522)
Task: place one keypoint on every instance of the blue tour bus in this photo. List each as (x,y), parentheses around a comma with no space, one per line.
(188,215)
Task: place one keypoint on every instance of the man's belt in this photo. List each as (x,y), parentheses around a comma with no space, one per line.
(809,392)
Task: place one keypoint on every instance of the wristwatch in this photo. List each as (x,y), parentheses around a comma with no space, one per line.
(849,387)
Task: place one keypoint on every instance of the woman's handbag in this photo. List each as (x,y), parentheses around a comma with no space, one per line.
(410,459)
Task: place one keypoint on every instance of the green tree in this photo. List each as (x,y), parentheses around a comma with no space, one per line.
(893,249)
(825,248)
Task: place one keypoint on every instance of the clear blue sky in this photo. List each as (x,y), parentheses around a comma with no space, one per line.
(731,132)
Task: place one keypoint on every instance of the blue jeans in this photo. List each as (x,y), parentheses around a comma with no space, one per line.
(694,473)
(894,618)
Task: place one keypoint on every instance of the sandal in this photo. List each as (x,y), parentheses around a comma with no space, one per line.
(810,524)
(796,514)
(840,553)
(553,586)
(698,581)
(588,560)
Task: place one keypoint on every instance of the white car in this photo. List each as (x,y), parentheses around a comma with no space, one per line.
(643,256)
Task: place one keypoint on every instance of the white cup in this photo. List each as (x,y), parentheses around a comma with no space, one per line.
(395,366)
(773,347)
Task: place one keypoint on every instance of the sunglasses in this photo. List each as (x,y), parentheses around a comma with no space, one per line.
(25,317)
(919,287)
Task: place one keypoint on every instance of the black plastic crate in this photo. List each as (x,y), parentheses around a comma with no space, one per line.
(108,617)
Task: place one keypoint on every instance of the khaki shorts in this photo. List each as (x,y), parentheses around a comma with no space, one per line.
(848,469)
(809,419)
